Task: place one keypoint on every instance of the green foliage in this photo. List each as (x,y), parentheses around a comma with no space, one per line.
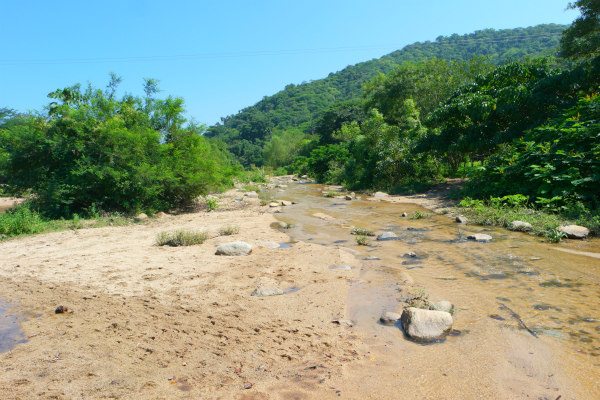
(419,215)
(181,238)
(554,235)
(582,38)
(362,241)
(283,146)
(211,204)
(20,221)
(96,152)
(362,232)
(305,106)
(252,175)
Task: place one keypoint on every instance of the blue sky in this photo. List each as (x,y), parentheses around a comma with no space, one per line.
(221,56)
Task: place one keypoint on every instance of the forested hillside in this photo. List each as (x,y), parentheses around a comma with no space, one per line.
(299,106)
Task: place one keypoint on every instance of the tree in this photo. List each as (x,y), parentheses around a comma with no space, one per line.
(582,38)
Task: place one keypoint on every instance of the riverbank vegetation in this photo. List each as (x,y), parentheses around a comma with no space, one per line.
(518,126)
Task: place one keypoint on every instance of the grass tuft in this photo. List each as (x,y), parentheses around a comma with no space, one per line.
(362,241)
(229,230)
(362,232)
(181,238)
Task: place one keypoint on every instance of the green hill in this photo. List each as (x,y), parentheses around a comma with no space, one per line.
(299,105)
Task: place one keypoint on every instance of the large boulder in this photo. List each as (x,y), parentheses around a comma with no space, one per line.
(387,236)
(426,325)
(520,226)
(234,249)
(575,231)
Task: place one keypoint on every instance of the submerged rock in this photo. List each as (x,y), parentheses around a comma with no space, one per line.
(575,231)
(389,318)
(387,236)
(426,325)
(520,226)
(234,249)
(461,219)
(480,237)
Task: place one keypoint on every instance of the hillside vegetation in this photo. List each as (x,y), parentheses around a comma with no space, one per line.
(300,106)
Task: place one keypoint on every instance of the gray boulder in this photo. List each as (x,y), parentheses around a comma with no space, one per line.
(575,231)
(387,236)
(389,318)
(480,237)
(234,249)
(520,226)
(252,195)
(426,325)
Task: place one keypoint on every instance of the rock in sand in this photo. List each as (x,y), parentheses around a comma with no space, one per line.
(426,325)
(141,217)
(387,236)
(265,291)
(234,249)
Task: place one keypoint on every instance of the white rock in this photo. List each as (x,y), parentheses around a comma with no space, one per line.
(286,203)
(234,249)
(264,291)
(575,231)
(426,325)
(140,217)
(480,237)
(380,195)
(461,219)
(252,195)
(274,204)
(387,236)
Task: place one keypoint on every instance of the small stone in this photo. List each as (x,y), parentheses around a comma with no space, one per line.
(426,325)
(404,214)
(274,204)
(161,214)
(282,225)
(286,203)
(387,236)
(348,197)
(461,219)
(389,318)
(248,385)
(234,249)
(343,322)
(520,226)
(575,231)
(265,291)
(480,237)
(141,217)
(61,310)
(410,254)
(251,195)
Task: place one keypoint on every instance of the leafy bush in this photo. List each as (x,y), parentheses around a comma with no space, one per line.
(95,152)
(211,204)
(19,221)
(181,238)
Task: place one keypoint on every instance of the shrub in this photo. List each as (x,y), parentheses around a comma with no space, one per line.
(229,230)
(19,221)
(181,238)
(419,215)
(362,241)
(211,204)
(362,232)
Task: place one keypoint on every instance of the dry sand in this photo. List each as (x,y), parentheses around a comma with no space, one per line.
(153,322)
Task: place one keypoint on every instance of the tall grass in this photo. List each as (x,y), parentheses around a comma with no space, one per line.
(21,221)
(181,238)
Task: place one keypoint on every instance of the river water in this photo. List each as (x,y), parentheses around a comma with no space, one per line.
(516,296)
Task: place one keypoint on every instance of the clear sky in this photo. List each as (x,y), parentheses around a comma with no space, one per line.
(221,56)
